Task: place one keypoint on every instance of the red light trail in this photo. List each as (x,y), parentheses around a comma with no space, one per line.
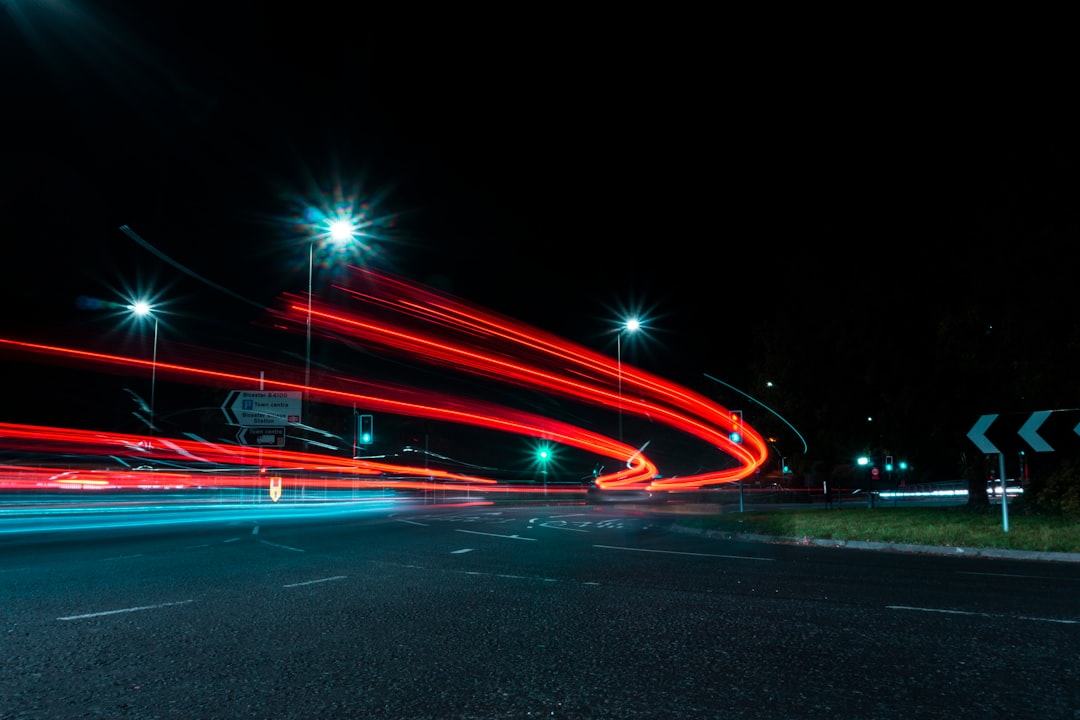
(422,325)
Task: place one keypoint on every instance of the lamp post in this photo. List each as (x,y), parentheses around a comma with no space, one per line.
(630,325)
(339,232)
(307,351)
(144,309)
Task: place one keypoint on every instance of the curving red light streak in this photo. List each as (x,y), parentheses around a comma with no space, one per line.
(434,328)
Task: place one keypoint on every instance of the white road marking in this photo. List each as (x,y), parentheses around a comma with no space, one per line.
(123,610)
(551,526)
(462,550)
(679,552)
(283,547)
(255,530)
(981,614)
(412,522)
(312,582)
(508,537)
(1033,577)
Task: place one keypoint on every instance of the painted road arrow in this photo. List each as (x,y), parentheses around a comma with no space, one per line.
(977,434)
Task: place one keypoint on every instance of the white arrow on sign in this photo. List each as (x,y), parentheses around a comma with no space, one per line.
(1030,431)
(977,434)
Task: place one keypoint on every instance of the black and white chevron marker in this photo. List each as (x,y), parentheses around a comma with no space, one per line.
(1040,431)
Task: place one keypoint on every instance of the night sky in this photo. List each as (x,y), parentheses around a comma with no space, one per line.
(767,206)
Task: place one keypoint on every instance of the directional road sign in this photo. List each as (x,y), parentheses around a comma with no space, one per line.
(1040,431)
(262,436)
(257,408)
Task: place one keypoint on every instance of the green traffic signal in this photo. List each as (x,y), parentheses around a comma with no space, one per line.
(366,435)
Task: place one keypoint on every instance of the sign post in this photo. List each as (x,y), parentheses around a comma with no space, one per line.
(1004,493)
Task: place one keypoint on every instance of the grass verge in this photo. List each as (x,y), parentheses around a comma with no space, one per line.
(949,527)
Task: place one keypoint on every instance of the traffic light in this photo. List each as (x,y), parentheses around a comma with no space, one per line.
(888,463)
(736,426)
(366,436)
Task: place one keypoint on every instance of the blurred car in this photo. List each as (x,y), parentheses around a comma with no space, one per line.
(597,494)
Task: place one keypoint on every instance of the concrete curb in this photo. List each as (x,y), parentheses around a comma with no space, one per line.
(886,547)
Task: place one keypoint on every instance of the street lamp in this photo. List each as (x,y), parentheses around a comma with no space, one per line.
(631,325)
(339,232)
(142,308)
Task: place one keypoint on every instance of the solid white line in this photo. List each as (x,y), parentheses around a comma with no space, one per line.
(981,614)
(312,582)
(124,610)
(508,537)
(679,552)
(283,547)
(1035,577)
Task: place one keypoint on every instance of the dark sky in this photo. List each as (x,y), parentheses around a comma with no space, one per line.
(562,173)
(562,170)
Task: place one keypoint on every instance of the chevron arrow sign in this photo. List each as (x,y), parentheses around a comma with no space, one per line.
(1040,431)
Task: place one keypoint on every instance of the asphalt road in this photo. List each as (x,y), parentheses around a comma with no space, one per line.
(520,612)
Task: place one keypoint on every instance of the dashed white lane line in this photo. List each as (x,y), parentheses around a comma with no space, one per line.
(412,522)
(982,614)
(511,577)
(279,545)
(679,552)
(123,610)
(508,537)
(313,582)
(462,550)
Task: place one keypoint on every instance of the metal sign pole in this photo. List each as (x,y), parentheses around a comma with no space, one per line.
(1004,493)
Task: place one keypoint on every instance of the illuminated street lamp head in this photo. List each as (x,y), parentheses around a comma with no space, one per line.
(141,308)
(632,325)
(342,231)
